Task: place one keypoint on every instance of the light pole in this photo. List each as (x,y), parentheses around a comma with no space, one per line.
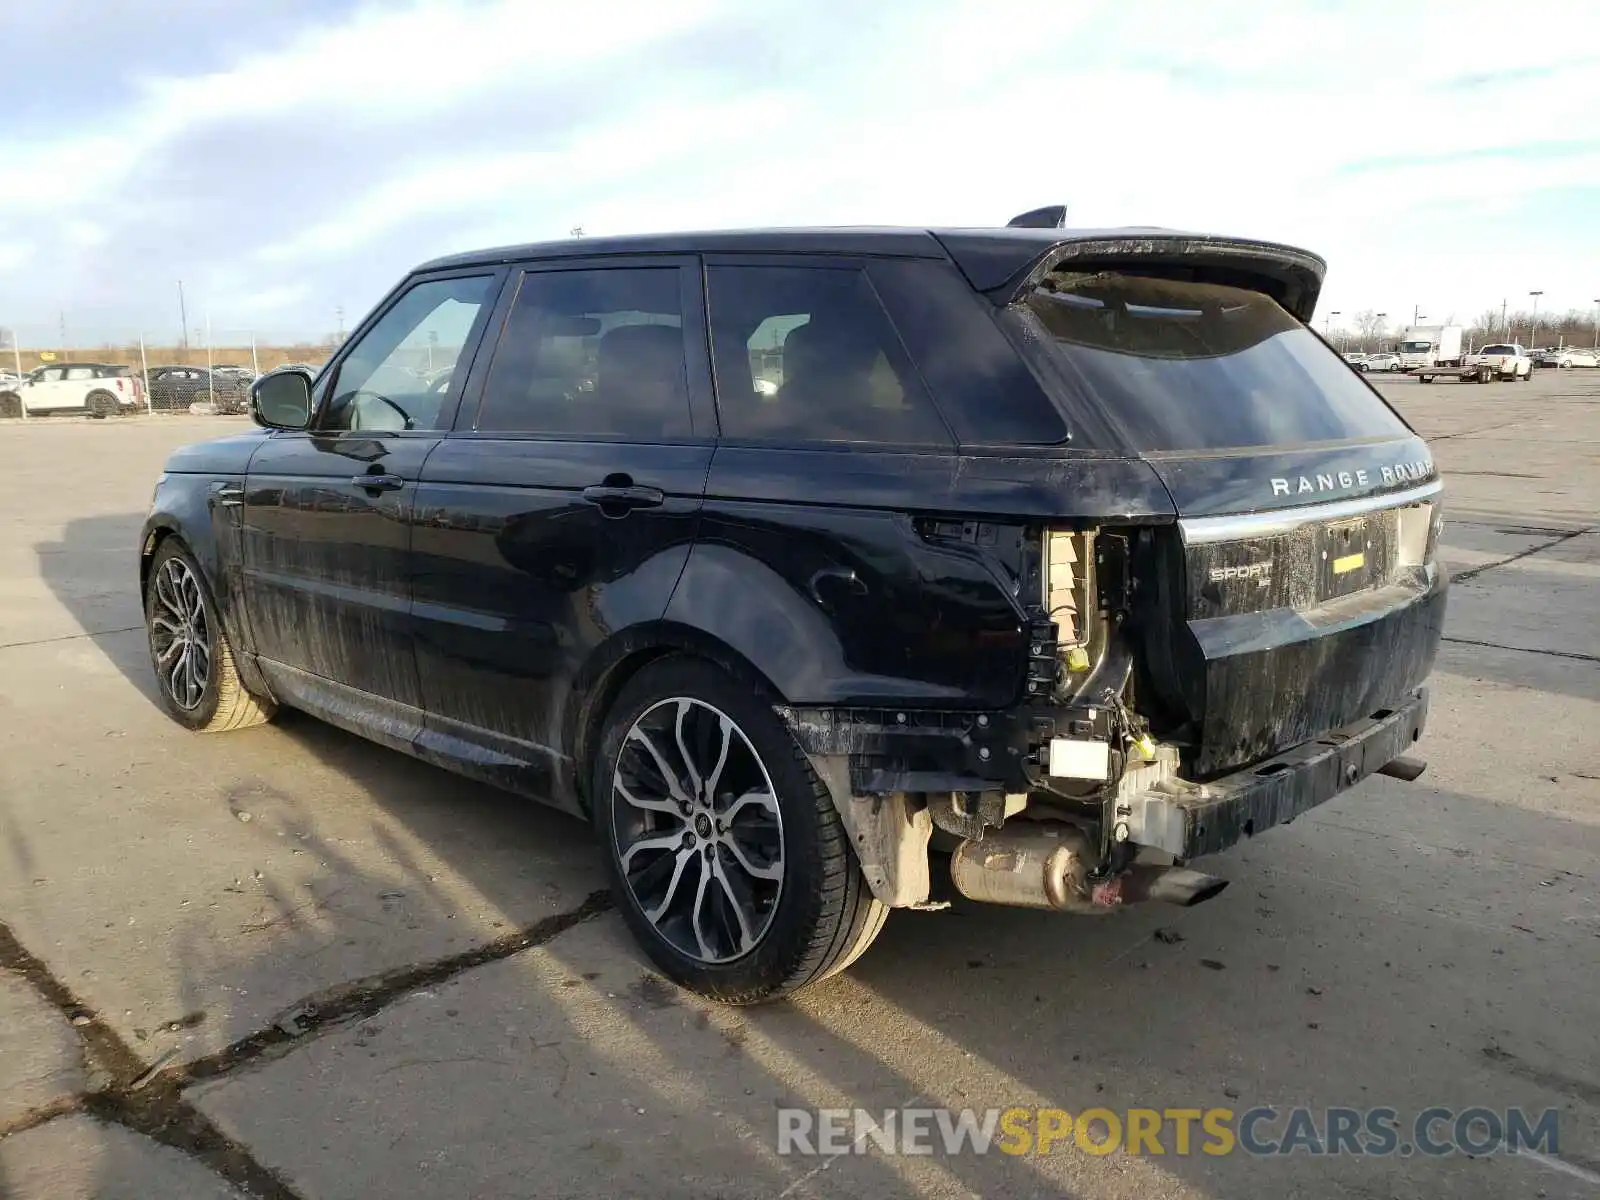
(1327,326)
(1383,320)
(1597,323)
(1534,327)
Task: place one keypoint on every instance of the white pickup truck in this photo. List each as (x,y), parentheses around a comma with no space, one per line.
(1507,360)
(98,389)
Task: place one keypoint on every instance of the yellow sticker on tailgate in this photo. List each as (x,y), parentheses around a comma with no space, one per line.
(1350,562)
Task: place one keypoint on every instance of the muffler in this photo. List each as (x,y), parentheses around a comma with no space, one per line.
(1029,865)
(1047,866)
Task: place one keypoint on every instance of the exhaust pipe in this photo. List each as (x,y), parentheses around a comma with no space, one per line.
(1170,885)
(1047,866)
(1403,768)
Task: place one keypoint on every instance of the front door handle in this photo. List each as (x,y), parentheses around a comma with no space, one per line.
(626,496)
(378,482)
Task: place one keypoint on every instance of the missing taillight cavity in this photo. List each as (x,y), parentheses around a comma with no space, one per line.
(1068,593)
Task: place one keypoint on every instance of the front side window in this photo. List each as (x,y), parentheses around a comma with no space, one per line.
(1199,366)
(591,353)
(48,375)
(808,354)
(397,375)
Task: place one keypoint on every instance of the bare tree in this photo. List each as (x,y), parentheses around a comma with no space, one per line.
(1370,325)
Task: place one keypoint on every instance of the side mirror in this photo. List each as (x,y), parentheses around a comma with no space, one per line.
(282,400)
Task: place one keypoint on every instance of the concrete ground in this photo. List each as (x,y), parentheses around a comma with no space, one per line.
(285,962)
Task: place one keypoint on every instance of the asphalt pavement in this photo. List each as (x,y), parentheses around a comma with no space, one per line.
(286,962)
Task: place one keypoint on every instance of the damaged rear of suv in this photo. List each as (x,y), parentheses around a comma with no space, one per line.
(809,563)
(1224,567)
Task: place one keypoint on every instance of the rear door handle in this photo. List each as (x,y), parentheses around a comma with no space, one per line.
(630,496)
(378,482)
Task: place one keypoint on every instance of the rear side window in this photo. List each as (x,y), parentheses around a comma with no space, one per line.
(591,353)
(1199,366)
(76,374)
(808,354)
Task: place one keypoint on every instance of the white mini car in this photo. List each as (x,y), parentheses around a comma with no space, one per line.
(98,389)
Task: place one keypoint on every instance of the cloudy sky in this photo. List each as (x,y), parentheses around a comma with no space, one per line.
(286,158)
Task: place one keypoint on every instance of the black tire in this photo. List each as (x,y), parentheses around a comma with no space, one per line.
(10,404)
(101,405)
(221,702)
(823,916)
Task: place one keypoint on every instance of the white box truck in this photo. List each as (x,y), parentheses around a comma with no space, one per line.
(1430,346)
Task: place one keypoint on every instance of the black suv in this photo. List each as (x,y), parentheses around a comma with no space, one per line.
(795,559)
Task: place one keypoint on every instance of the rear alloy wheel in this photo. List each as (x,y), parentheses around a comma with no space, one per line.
(200,685)
(727,858)
(101,405)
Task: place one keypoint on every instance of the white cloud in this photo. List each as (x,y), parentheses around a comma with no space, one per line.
(1354,130)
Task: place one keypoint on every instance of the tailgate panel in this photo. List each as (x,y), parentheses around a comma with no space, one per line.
(1275,680)
(1301,621)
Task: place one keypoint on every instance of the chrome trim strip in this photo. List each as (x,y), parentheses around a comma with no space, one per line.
(1199,531)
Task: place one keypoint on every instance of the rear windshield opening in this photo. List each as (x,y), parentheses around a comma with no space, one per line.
(1199,366)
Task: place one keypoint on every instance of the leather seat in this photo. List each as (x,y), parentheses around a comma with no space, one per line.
(827,370)
(639,380)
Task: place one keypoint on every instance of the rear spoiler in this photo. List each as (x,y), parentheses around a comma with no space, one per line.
(1006,264)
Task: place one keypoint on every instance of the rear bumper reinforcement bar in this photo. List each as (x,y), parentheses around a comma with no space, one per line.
(1191,820)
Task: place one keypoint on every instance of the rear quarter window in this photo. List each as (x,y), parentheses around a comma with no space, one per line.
(1196,366)
(978,380)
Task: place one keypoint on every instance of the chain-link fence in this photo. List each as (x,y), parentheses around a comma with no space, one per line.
(210,372)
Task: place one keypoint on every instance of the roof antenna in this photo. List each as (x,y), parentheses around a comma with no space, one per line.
(1052,216)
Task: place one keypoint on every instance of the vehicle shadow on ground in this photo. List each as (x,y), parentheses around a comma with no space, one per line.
(570,1068)
(93,572)
(576,1056)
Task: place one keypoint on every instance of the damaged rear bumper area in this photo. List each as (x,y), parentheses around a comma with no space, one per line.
(982,779)
(1191,820)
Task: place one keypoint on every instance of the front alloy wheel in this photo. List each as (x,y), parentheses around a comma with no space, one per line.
(180,634)
(195,671)
(698,833)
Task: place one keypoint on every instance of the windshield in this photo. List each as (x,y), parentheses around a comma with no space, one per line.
(1415,347)
(1498,350)
(1198,366)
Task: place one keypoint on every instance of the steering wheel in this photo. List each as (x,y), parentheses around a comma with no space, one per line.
(355,396)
